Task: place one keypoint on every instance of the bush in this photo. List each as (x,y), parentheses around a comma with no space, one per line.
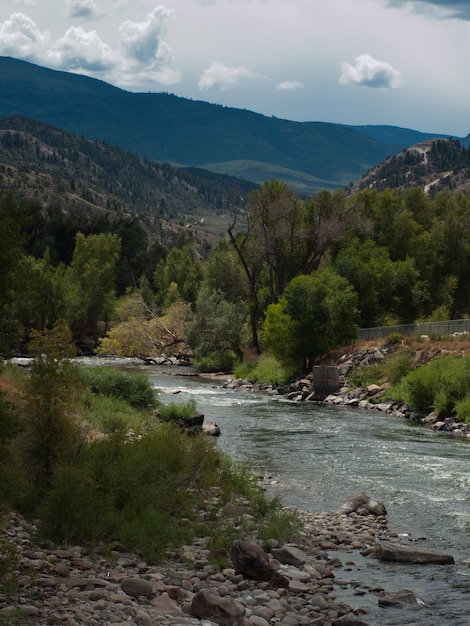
(111,415)
(266,370)
(174,411)
(462,410)
(216,362)
(439,385)
(134,388)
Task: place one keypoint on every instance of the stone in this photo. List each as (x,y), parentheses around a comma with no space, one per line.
(251,561)
(402,553)
(403,598)
(362,504)
(290,555)
(136,587)
(222,611)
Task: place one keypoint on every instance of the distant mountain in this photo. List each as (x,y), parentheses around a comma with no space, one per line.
(91,179)
(435,165)
(162,127)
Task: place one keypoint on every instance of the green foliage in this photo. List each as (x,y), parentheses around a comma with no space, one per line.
(392,369)
(217,324)
(92,276)
(52,390)
(462,410)
(316,314)
(9,428)
(138,491)
(265,370)
(220,361)
(439,385)
(108,414)
(283,525)
(178,276)
(174,411)
(9,561)
(134,388)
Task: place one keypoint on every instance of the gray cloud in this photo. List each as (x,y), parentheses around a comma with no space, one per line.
(369,72)
(445,8)
(82,8)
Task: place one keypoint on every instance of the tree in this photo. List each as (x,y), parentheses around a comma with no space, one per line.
(277,236)
(91,284)
(217,324)
(144,334)
(316,313)
(12,220)
(178,276)
(384,287)
(53,436)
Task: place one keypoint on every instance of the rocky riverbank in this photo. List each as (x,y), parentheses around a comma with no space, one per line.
(370,397)
(78,586)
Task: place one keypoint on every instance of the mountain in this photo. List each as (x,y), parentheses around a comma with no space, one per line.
(162,127)
(95,181)
(435,165)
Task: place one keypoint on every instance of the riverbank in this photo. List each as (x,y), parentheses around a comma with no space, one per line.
(373,396)
(77,586)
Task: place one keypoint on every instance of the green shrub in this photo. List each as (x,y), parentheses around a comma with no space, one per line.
(216,362)
(135,388)
(109,414)
(9,561)
(395,338)
(438,385)
(462,410)
(266,370)
(174,411)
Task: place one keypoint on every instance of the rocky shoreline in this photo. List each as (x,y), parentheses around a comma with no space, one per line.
(80,586)
(370,398)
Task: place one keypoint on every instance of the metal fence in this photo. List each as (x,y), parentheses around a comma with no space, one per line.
(442,329)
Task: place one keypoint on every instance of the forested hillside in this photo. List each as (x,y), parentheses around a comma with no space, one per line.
(162,127)
(434,165)
(92,181)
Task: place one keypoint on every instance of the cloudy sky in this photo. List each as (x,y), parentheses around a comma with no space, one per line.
(399,62)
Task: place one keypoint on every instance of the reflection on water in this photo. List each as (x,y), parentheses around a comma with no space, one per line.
(321,455)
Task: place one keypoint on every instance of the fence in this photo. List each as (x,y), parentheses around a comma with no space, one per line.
(457,327)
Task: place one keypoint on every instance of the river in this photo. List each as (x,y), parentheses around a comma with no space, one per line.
(317,456)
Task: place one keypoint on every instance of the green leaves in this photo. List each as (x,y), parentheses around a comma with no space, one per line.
(317,313)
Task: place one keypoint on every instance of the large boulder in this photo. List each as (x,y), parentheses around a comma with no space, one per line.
(221,610)
(402,553)
(252,562)
(362,504)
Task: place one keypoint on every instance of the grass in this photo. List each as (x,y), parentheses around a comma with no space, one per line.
(265,370)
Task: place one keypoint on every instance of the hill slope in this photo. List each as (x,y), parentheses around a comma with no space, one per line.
(435,165)
(163,127)
(62,171)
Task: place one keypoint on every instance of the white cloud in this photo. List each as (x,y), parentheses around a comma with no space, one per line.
(142,41)
(81,50)
(290,85)
(82,8)
(220,76)
(142,57)
(20,37)
(369,72)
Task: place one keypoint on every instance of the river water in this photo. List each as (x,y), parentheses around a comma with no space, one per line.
(317,456)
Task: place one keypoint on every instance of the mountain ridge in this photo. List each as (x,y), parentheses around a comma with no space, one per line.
(164,127)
